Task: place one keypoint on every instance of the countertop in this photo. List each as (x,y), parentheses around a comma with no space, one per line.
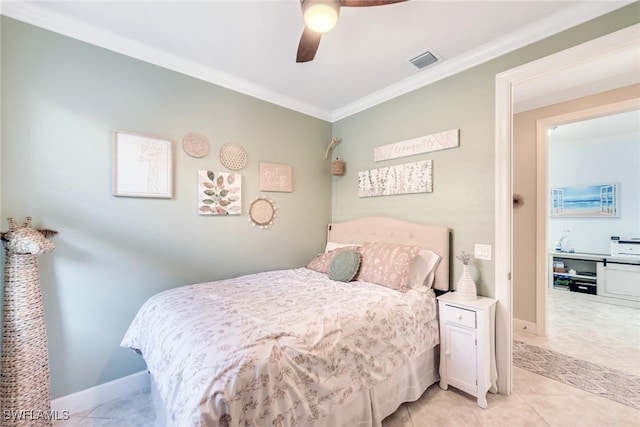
(597,257)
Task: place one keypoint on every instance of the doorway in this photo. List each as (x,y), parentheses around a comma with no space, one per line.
(588,146)
(543,243)
(506,82)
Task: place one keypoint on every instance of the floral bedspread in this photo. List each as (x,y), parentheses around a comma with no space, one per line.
(276,348)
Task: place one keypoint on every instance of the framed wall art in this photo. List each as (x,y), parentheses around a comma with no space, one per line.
(585,201)
(219,193)
(142,165)
(408,178)
(275,177)
(423,144)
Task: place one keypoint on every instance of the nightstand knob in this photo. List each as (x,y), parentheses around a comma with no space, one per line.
(459,316)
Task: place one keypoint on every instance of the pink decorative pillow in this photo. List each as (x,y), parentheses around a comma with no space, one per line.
(322,262)
(386,264)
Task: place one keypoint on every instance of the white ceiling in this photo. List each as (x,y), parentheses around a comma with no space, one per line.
(250,45)
(598,128)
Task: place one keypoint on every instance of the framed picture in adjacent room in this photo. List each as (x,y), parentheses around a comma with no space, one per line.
(585,201)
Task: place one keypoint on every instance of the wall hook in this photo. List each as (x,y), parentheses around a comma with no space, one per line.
(335,140)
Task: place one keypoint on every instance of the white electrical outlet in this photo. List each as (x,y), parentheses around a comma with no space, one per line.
(482,252)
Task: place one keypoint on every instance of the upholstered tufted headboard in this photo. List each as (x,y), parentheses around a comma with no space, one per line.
(392,230)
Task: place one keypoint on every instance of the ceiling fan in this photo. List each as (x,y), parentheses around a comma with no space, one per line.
(321,16)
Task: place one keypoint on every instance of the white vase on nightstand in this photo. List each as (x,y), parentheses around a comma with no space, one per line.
(466,288)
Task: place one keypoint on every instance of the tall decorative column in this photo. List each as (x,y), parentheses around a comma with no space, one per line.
(25,385)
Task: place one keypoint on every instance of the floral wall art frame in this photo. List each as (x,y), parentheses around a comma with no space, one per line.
(598,201)
(219,193)
(409,178)
(142,165)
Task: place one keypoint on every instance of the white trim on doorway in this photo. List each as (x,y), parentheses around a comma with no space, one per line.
(505,83)
(503,231)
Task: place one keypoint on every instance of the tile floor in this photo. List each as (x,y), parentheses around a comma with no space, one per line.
(604,334)
(574,326)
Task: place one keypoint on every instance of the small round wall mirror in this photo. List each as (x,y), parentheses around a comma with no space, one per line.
(262,212)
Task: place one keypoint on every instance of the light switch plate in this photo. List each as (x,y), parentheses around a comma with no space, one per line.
(482,252)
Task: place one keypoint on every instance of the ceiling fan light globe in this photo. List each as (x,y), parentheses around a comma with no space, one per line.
(320,16)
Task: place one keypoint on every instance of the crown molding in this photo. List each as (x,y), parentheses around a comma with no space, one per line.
(532,33)
(39,17)
(32,14)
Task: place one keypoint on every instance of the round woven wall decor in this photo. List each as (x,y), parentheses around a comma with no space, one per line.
(262,212)
(195,144)
(233,156)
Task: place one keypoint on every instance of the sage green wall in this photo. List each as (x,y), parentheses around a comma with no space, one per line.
(61,101)
(463,194)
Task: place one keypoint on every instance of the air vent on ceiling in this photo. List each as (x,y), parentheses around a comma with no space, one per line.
(424,60)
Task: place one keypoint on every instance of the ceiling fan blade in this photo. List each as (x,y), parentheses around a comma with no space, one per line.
(365,3)
(308,45)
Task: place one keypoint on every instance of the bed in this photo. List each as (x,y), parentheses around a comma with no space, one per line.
(296,347)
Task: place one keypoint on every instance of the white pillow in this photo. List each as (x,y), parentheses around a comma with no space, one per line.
(422,271)
(333,245)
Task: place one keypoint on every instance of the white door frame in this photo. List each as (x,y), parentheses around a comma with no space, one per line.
(505,82)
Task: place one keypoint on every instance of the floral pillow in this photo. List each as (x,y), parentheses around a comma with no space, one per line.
(386,264)
(322,262)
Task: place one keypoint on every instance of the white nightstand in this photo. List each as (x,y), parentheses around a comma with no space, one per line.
(467,345)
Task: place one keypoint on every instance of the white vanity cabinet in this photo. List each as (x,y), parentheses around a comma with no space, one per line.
(467,345)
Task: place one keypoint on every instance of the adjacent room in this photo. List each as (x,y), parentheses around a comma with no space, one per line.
(592,270)
(217,214)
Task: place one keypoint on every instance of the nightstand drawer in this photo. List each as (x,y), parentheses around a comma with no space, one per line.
(459,316)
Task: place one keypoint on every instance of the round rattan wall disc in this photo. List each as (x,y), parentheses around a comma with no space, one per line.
(195,144)
(233,156)
(262,212)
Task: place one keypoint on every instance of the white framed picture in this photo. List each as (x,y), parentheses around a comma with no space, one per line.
(142,165)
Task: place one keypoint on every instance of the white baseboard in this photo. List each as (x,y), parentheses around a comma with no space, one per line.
(94,396)
(524,326)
